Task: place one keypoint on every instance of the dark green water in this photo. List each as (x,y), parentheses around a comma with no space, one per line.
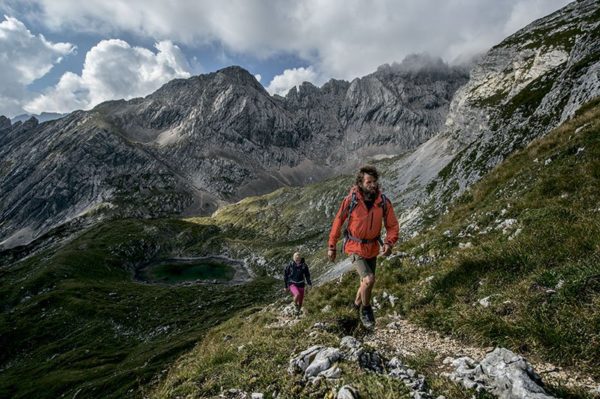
(175,271)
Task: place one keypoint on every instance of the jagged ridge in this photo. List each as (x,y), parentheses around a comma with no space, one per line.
(198,141)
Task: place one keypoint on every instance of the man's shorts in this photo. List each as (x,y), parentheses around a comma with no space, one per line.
(364,266)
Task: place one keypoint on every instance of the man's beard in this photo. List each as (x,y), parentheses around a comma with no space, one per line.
(369,195)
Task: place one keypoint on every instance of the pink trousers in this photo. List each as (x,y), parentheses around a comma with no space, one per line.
(298,293)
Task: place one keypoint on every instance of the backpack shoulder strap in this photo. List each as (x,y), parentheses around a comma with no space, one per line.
(353,203)
(384,203)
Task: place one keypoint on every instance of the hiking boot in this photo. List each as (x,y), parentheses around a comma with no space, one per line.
(364,319)
(298,309)
(367,317)
(354,307)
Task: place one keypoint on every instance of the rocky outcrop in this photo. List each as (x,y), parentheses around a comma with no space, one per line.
(43,117)
(410,97)
(347,392)
(318,362)
(501,372)
(5,123)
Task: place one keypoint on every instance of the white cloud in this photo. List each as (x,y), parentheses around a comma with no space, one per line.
(24,58)
(281,84)
(525,12)
(113,69)
(340,38)
(258,77)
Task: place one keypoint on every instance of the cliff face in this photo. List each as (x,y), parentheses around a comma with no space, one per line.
(213,138)
(521,89)
(55,172)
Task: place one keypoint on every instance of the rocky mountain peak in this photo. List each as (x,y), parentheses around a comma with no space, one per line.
(30,123)
(240,76)
(335,86)
(308,95)
(5,123)
(188,92)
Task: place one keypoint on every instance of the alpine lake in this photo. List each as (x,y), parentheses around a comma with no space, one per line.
(184,271)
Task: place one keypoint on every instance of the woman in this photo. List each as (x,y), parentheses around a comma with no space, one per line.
(296,272)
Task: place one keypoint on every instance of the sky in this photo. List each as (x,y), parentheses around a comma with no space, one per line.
(63,55)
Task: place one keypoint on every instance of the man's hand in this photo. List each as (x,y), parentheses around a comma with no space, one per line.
(286,289)
(387,250)
(331,255)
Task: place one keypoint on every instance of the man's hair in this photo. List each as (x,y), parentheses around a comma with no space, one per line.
(366,170)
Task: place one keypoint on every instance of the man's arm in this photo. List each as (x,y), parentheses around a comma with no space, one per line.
(392,229)
(336,228)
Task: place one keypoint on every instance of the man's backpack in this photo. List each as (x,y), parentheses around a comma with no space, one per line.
(354,203)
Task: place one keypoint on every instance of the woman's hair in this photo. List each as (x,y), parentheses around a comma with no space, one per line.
(366,170)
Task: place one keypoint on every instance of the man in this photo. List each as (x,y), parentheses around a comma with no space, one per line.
(367,210)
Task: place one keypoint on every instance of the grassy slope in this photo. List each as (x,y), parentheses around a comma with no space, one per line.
(558,249)
(287,220)
(75,321)
(282,222)
(543,282)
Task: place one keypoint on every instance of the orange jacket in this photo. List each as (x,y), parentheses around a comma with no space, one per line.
(364,224)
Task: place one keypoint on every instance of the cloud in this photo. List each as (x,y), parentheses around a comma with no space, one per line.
(524,12)
(339,38)
(24,58)
(113,69)
(414,63)
(281,84)
(258,77)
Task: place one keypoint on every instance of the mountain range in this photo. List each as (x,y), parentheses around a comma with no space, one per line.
(208,140)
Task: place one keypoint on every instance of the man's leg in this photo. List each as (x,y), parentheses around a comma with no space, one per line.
(367,284)
(366,288)
(358,298)
(366,271)
(366,316)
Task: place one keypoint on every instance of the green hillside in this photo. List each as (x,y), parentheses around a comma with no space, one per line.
(525,241)
(74,320)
